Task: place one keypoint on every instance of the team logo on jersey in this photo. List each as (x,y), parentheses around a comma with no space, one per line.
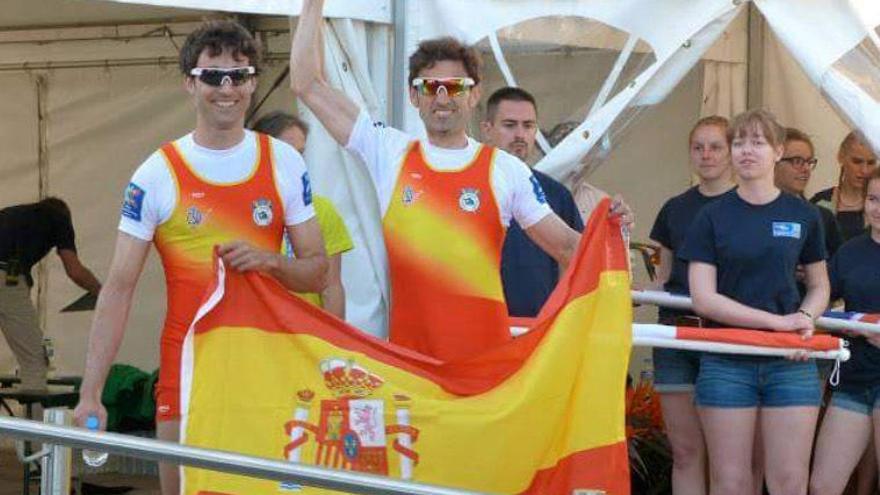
(133,202)
(538,190)
(262,212)
(194,216)
(469,200)
(787,229)
(409,195)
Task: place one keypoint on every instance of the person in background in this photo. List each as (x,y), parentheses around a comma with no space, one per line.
(27,233)
(792,175)
(853,418)
(847,199)
(528,274)
(293,131)
(675,371)
(742,251)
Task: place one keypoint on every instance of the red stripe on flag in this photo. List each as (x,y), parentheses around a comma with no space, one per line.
(761,338)
(603,468)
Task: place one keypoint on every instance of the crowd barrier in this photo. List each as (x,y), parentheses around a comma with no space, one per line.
(55,435)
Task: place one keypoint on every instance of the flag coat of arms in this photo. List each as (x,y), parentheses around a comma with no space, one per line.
(266,374)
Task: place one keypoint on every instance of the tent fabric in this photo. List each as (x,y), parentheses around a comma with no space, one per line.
(343,178)
(844,25)
(362,10)
(724,88)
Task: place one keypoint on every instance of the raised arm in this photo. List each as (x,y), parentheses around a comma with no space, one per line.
(336,112)
(108,327)
(77,272)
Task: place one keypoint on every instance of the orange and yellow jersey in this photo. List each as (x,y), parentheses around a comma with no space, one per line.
(207,214)
(444,237)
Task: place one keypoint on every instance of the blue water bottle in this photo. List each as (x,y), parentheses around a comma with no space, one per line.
(94,458)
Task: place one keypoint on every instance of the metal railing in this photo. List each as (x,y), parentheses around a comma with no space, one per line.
(256,467)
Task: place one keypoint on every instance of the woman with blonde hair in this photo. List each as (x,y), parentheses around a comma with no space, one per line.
(675,371)
(854,414)
(742,251)
(847,199)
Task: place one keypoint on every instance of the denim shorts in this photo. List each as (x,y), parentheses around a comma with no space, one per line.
(756,381)
(675,370)
(863,402)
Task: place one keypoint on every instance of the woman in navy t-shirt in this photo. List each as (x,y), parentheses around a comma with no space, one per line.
(675,370)
(854,414)
(742,251)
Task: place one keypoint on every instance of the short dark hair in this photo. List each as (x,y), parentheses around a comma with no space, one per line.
(507,93)
(218,36)
(447,48)
(793,134)
(55,205)
(275,123)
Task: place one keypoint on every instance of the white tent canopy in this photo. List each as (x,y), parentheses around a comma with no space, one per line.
(99,90)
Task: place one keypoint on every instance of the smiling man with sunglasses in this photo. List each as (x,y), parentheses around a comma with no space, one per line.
(446,200)
(219,185)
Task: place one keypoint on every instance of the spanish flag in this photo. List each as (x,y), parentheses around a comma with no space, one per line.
(269,375)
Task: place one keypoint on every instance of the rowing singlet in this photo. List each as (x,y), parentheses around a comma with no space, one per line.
(207,214)
(444,235)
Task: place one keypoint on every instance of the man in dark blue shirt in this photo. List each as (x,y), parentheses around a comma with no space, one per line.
(527,273)
(27,233)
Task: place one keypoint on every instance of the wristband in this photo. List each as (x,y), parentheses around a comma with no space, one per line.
(805,312)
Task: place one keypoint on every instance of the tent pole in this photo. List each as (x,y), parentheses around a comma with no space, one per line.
(755,66)
(398,64)
(42,83)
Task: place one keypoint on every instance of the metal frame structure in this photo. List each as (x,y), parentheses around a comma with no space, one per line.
(217,460)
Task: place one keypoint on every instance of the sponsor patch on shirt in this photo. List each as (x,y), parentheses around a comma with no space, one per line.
(787,229)
(307,189)
(133,202)
(538,190)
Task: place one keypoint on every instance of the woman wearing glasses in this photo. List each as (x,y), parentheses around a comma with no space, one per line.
(847,199)
(675,371)
(792,174)
(742,251)
(853,415)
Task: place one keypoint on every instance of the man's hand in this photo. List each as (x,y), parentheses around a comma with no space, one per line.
(619,208)
(873,339)
(244,257)
(89,407)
